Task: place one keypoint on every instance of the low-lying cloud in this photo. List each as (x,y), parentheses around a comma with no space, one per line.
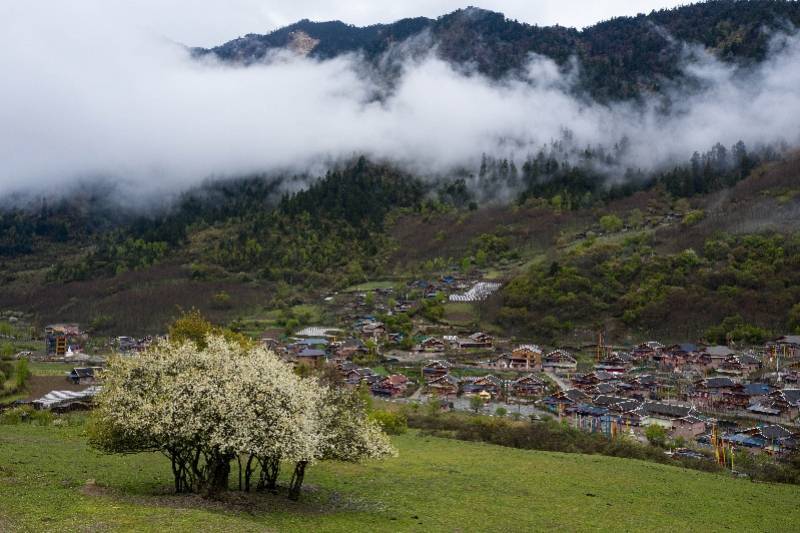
(86,100)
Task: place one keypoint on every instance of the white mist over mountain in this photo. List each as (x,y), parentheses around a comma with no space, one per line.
(87,95)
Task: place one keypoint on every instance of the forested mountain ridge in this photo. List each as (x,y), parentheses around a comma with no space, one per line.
(620,58)
(686,248)
(581,236)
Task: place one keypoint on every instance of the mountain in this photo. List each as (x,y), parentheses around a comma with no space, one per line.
(705,246)
(620,58)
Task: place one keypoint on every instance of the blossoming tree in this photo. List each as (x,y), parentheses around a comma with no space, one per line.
(205,405)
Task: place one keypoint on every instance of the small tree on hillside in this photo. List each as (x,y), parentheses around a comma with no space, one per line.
(205,406)
(476,403)
(656,435)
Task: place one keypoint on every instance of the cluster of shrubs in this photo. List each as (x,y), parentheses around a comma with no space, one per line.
(550,435)
(391,422)
(13,376)
(26,414)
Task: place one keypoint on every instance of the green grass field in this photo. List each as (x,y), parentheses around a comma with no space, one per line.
(51,481)
(460,313)
(39,368)
(371,286)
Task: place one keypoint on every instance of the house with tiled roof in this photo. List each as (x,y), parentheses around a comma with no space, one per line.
(528,387)
(445,386)
(560,362)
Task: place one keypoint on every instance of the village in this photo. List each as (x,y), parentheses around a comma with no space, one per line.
(702,396)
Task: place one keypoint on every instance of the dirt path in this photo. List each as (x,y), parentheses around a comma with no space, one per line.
(38,386)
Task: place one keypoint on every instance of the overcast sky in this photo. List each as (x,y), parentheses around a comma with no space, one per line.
(209,22)
(91,90)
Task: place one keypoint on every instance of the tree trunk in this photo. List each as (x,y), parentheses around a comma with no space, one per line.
(270,469)
(218,470)
(176,472)
(248,473)
(239,462)
(297,480)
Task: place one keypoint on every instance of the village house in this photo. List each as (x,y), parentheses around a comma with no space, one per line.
(787,401)
(562,401)
(611,387)
(787,346)
(435,370)
(310,357)
(773,437)
(472,385)
(713,357)
(316,343)
(745,396)
(757,391)
(126,345)
(679,420)
(373,330)
(432,345)
(616,363)
(390,386)
(476,340)
(647,351)
(65,401)
(709,392)
(676,356)
(644,386)
(528,387)
(446,386)
(587,381)
(616,403)
(61,338)
(559,362)
(740,365)
(347,349)
(84,376)
(353,375)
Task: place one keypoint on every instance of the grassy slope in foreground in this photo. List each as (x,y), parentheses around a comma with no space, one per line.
(435,485)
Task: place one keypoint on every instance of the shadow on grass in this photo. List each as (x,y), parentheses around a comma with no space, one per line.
(314,500)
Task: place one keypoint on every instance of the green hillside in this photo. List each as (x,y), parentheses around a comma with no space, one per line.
(51,481)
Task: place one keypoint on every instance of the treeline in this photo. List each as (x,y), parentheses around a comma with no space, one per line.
(573,178)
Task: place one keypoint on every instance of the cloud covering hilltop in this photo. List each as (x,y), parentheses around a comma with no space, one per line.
(88,95)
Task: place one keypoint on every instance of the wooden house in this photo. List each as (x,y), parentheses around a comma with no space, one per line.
(373,330)
(445,386)
(615,364)
(489,384)
(390,386)
(476,340)
(677,355)
(787,401)
(679,420)
(527,357)
(563,401)
(787,346)
(310,357)
(560,362)
(709,392)
(432,345)
(714,356)
(60,338)
(528,387)
(740,365)
(435,370)
(85,375)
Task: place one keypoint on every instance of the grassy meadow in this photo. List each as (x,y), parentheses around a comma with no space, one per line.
(51,481)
